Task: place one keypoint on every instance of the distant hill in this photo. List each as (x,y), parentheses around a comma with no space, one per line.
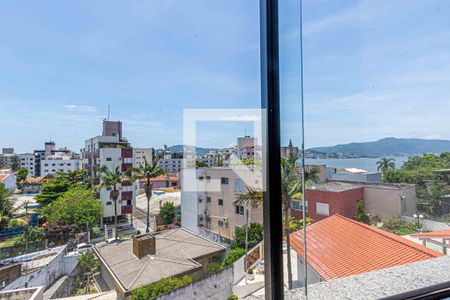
(388,147)
(179,148)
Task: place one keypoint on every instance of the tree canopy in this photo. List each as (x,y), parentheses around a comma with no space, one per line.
(255,235)
(77,206)
(167,212)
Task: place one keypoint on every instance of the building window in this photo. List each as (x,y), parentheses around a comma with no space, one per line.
(220,223)
(239,185)
(208,199)
(200,178)
(108,203)
(108,159)
(208,178)
(220,202)
(239,209)
(46,165)
(200,200)
(323,209)
(223,180)
(298,205)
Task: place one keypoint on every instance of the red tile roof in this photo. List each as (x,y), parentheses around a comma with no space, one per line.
(435,234)
(160,178)
(34,180)
(3,177)
(339,247)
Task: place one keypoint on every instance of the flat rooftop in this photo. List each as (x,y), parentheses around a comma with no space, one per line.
(176,251)
(340,186)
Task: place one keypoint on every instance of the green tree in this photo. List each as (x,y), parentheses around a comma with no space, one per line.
(148,171)
(361,214)
(78,206)
(396,226)
(385,163)
(15,163)
(201,164)
(233,256)
(255,235)
(160,287)
(112,180)
(53,189)
(30,234)
(8,212)
(21,176)
(88,262)
(167,212)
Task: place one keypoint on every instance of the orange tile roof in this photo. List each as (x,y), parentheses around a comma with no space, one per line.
(34,180)
(160,178)
(2,177)
(435,234)
(339,247)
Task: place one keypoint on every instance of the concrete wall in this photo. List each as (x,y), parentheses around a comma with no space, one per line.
(429,225)
(63,286)
(214,287)
(23,294)
(352,177)
(384,201)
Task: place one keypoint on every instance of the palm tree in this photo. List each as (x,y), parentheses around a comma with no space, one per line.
(251,198)
(385,163)
(111,179)
(148,171)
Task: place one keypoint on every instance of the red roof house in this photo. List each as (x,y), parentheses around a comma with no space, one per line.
(338,247)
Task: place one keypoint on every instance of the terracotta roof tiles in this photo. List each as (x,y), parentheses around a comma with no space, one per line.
(339,247)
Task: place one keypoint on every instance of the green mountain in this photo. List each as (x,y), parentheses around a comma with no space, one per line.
(199,150)
(388,147)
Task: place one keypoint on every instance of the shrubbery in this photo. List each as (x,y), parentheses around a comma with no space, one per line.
(233,256)
(160,287)
(398,227)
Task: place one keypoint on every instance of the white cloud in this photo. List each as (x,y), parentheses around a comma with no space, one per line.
(241,118)
(80,108)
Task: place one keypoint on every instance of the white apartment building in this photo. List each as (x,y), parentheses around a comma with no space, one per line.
(211,206)
(59,163)
(144,153)
(28,161)
(111,151)
(171,165)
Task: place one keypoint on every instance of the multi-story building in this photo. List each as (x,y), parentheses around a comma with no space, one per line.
(7,158)
(28,161)
(144,154)
(211,206)
(111,151)
(59,163)
(246,147)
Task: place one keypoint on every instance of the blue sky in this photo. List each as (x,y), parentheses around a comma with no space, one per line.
(372,69)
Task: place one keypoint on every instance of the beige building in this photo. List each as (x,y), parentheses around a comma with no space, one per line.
(211,207)
(143,154)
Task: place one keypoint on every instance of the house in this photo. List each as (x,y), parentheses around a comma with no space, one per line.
(147,258)
(9,180)
(161,182)
(32,185)
(339,247)
(384,200)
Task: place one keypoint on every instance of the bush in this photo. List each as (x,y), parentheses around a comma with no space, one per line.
(34,234)
(214,267)
(233,256)
(232,297)
(398,227)
(168,212)
(160,287)
(361,214)
(250,271)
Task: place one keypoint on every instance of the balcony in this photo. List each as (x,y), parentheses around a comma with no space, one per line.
(127,209)
(127,196)
(127,153)
(126,167)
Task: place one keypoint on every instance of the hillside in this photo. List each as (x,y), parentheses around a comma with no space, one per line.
(179,148)
(388,147)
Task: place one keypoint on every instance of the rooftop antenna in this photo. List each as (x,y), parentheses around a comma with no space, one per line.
(245,132)
(109,111)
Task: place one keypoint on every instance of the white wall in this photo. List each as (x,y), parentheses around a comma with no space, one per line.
(27,161)
(10,182)
(53,165)
(313,277)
